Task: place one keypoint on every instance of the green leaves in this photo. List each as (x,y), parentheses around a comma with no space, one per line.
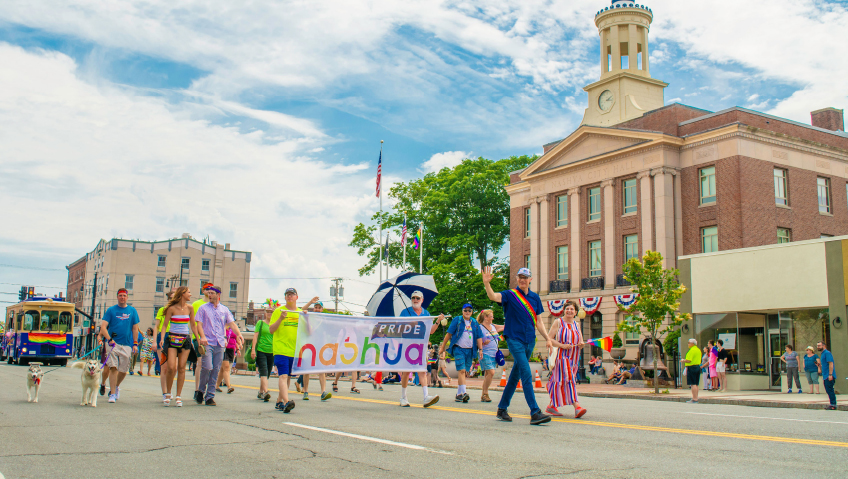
(659,296)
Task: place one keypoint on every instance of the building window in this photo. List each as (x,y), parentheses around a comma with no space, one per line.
(186,262)
(156,311)
(161,263)
(709,239)
(202,282)
(562,262)
(708,185)
(629,196)
(183,282)
(594,204)
(527,261)
(128,282)
(823,185)
(234,290)
(527,222)
(562,211)
(783,235)
(160,285)
(781,196)
(631,247)
(204,265)
(594,259)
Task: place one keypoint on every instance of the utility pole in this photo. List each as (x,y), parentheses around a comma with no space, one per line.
(90,341)
(337,291)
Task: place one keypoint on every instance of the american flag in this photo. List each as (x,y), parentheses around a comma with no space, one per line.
(403,234)
(379,172)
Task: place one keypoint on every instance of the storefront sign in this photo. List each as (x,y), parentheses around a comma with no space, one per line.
(728,340)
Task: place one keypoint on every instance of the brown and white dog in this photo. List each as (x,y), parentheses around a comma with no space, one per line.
(34,381)
(90,380)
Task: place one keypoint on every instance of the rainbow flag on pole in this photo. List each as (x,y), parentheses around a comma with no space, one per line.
(603,343)
(416,240)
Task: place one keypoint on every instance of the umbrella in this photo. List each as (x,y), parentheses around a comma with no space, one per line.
(392,296)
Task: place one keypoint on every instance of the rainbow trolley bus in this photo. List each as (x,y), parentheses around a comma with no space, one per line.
(39,329)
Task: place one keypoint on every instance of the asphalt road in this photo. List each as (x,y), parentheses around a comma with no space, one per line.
(369,435)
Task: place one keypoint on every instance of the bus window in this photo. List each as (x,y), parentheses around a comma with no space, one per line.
(65,319)
(31,320)
(20,321)
(49,320)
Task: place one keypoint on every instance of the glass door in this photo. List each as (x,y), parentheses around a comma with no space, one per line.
(777,342)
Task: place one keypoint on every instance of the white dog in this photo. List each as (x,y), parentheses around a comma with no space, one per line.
(34,381)
(90,380)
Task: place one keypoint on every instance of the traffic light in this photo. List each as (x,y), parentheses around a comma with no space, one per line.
(31,292)
(22,293)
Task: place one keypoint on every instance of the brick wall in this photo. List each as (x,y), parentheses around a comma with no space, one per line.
(518,244)
(828,118)
(588,232)
(630,225)
(557,237)
(664,119)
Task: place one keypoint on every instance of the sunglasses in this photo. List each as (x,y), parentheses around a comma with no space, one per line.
(467,310)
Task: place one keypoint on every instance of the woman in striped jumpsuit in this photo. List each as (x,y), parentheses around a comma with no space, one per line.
(562,385)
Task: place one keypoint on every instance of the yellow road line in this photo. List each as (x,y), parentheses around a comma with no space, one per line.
(695,432)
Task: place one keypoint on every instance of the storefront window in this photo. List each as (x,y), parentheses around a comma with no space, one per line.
(724,327)
(806,327)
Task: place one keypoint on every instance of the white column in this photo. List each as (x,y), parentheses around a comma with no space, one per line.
(645,51)
(609,234)
(615,44)
(646,210)
(632,40)
(678,217)
(604,62)
(543,286)
(664,209)
(575,249)
(534,239)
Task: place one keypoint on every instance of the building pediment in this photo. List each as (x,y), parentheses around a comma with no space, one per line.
(588,142)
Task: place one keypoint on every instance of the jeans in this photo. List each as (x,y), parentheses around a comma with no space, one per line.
(521,353)
(793,373)
(828,388)
(209,367)
(157,367)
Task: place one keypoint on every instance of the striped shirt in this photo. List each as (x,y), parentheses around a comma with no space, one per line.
(179,324)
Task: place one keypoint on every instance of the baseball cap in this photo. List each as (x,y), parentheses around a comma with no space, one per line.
(319,302)
(291,290)
(206,286)
(467,305)
(524,272)
(417,294)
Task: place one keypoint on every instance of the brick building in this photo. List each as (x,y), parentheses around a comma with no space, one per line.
(675,179)
(76,286)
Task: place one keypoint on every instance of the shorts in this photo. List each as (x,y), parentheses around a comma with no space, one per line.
(230,355)
(720,367)
(264,363)
(442,364)
(812,377)
(118,357)
(693,375)
(462,358)
(284,364)
(180,342)
(488,363)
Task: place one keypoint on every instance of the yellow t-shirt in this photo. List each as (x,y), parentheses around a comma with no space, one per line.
(693,356)
(197,304)
(285,337)
(160,316)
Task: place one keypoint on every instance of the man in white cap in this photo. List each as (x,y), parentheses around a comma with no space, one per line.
(521,307)
(417,309)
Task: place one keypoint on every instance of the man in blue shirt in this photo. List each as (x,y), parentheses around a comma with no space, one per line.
(466,342)
(417,309)
(521,307)
(119,329)
(828,373)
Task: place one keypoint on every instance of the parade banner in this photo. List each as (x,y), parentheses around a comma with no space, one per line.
(335,343)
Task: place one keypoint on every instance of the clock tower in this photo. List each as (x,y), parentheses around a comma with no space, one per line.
(626,89)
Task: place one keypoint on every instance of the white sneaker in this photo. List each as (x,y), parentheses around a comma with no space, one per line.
(430,400)
(117,393)
(404,402)
(112,398)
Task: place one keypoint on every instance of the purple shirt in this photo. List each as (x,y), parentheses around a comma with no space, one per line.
(214,321)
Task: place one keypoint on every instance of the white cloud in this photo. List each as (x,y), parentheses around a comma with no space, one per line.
(673,100)
(448,159)
(753,97)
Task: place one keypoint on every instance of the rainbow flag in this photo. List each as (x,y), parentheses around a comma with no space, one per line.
(416,240)
(41,338)
(603,343)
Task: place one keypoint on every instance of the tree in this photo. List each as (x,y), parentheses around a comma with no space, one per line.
(656,308)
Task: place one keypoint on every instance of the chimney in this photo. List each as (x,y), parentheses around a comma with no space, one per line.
(186,235)
(828,118)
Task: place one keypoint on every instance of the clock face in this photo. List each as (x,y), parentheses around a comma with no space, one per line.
(606,100)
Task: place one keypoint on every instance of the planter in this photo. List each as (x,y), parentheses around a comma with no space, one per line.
(618,353)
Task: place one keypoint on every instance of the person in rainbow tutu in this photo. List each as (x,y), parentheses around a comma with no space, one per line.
(567,341)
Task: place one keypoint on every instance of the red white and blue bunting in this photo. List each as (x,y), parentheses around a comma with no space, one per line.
(591,304)
(556,307)
(625,300)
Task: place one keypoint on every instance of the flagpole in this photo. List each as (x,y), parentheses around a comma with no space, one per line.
(421,249)
(381,214)
(404,243)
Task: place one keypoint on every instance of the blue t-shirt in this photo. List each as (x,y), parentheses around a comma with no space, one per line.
(411,312)
(810,363)
(827,357)
(121,322)
(518,324)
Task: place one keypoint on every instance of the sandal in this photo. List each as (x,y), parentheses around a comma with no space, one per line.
(335,388)
(166,398)
(179,402)
(354,390)
(230,390)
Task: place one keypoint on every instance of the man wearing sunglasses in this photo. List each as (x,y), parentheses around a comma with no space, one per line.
(466,342)
(417,309)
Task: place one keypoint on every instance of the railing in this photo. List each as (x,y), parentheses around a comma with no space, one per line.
(596,282)
(620,280)
(560,286)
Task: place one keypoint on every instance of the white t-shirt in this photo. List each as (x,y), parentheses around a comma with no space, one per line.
(467,339)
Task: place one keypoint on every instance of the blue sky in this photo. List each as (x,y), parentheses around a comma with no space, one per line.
(157,118)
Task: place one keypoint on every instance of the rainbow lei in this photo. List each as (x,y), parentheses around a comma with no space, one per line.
(519,296)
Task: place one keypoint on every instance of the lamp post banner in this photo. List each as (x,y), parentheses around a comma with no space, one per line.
(335,343)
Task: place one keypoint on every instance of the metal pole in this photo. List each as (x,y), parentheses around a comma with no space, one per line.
(421,249)
(381,214)
(91,322)
(404,243)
